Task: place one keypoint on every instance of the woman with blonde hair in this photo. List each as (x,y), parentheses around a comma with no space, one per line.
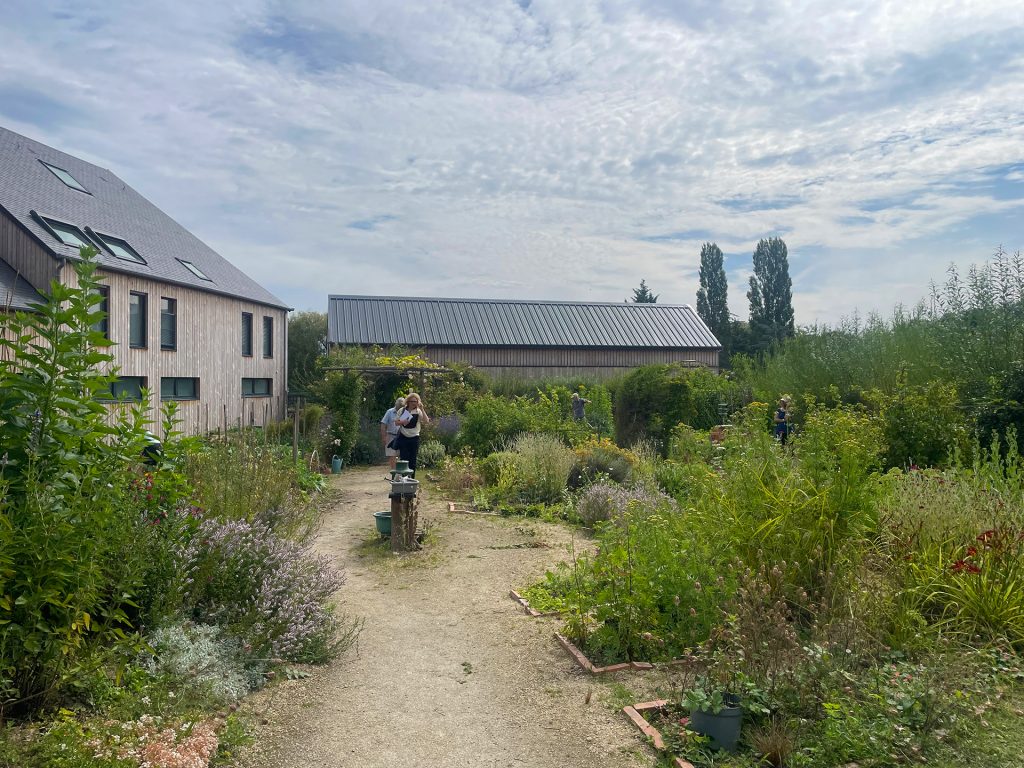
(409,423)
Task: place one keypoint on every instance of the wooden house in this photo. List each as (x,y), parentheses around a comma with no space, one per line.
(527,339)
(187,324)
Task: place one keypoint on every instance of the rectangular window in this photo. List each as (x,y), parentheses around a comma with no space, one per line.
(247,334)
(268,336)
(194,270)
(177,388)
(103,324)
(68,234)
(137,336)
(128,388)
(168,323)
(66,177)
(120,248)
(257,387)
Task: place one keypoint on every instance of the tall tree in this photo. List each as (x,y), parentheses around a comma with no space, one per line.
(643,295)
(307,341)
(712,296)
(771,294)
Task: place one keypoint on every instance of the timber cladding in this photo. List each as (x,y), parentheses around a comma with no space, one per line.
(547,361)
(208,347)
(25,255)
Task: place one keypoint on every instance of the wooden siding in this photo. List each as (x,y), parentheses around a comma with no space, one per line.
(28,258)
(539,362)
(209,347)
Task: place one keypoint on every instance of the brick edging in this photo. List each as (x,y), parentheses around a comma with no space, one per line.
(587,664)
(528,608)
(452,507)
(634,714)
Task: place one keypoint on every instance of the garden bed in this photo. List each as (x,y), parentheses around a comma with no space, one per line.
(579,657)
(638,714)
(528,609)
(460,508)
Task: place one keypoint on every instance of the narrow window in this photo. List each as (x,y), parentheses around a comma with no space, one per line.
(179,388)
(103,324)
(66,177)
(247,334)
(137,320)
(268,336)
(127,388)
(168,323)
(257,387)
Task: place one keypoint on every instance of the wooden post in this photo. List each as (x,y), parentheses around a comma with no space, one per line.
(403,522)
(295,434)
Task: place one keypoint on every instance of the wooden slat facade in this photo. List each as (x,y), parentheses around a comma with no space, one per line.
(530,362)
(28,258)
(209,348)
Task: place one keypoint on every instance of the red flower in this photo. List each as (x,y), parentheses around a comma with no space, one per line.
(971,551)
(960,566)
(986,536)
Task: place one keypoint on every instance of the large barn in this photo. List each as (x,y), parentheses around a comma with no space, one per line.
(527,339)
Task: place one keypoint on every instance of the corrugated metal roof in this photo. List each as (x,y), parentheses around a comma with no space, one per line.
(15,293)
(110,208)
(385,320)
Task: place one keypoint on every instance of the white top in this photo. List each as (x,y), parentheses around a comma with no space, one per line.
(389,421)
(412,431)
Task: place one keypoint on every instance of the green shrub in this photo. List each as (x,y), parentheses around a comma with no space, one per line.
(342,394)
(64,517)
(601,459)
(492,422)
(542,469)
(431,454)
(923,425)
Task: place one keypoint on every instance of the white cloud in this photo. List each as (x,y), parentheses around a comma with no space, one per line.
(505,151)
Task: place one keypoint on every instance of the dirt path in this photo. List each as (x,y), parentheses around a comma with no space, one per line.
(447,672)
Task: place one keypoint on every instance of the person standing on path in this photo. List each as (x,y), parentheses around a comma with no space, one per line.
(782,421)
(579,406)
(389,430)
(409,423)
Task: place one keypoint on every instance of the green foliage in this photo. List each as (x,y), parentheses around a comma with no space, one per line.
(652,400)
(64,519)
(771,294)
(342,393)
(923,425)
(431,454)
(644,295)
(713,294)
(307,342)
(601,459)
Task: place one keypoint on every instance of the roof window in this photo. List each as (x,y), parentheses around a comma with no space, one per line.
(68,234)
(66,177)
(195,270)
(120,248)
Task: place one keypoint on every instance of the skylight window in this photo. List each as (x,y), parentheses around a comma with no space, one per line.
(194,270)
(120,248)
(66,233)
(66,177)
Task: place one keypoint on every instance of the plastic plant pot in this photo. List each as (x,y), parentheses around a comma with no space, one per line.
(722,727)
(383,520)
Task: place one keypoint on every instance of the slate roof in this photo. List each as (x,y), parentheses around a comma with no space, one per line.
(111,208)
(387,320)
(15,293)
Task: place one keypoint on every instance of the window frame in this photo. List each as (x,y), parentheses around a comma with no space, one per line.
(173,315)
(174,387)
(144,304)
(194,269)
(252,386)
(48,223)
(247,336)
(105,240)
(268,338)
(77,186)
(110,397)
(103,326)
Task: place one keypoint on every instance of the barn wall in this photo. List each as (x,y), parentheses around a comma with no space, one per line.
(539,363)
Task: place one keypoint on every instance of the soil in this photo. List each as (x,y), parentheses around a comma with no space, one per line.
(448,670)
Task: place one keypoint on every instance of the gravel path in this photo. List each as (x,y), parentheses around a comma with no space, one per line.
(447,672)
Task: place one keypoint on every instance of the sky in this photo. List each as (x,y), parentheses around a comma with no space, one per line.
(547,149)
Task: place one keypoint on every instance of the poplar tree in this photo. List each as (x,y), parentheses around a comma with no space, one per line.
(771,294)
(713,294)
